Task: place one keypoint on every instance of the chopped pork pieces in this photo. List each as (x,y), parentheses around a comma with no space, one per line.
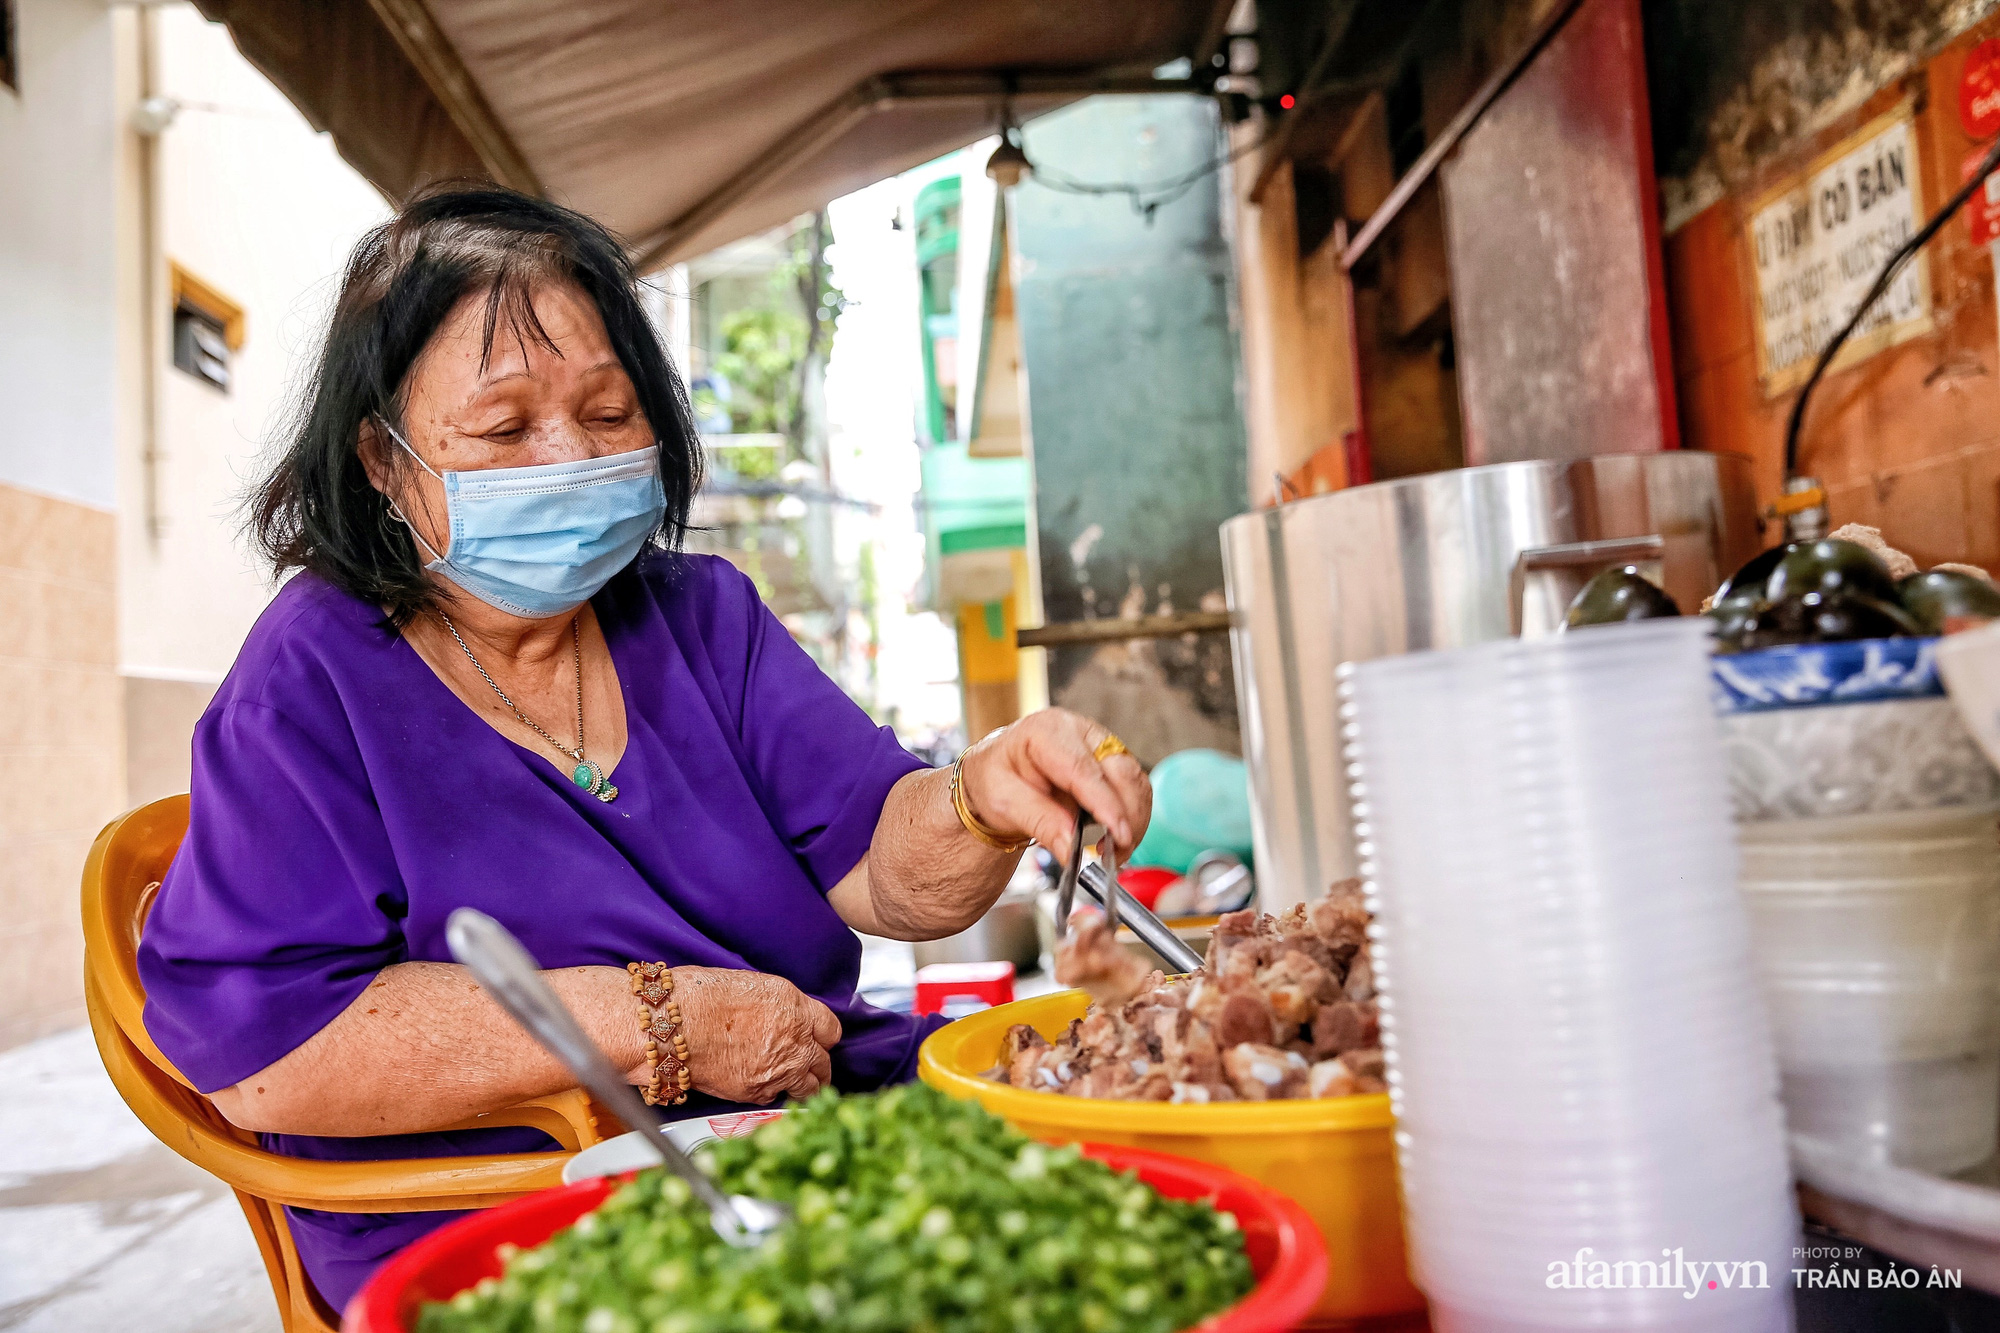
(1284,1007)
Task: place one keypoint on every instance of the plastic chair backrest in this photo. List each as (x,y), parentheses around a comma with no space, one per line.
(120,880)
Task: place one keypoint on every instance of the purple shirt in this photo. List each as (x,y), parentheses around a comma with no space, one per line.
(345,801)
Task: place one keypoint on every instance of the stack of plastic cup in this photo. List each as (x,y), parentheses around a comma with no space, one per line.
(1589,1129)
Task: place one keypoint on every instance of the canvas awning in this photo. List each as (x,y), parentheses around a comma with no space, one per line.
(684,125)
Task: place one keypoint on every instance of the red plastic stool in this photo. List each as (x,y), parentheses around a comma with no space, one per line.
(957,989)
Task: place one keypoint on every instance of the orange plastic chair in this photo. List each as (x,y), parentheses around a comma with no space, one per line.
(120,878)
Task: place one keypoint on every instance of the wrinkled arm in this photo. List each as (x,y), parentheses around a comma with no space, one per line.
(423,1047)
(925,876)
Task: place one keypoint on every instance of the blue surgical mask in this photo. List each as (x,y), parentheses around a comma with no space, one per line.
(539,541)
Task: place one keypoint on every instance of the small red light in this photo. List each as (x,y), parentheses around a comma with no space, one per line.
(1286,101)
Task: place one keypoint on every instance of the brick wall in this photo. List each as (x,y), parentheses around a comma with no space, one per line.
(1908,440)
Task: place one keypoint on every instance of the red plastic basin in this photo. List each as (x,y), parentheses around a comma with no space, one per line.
(1146,883)
(1284,1247)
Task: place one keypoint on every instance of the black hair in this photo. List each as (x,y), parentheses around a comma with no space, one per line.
(315,509)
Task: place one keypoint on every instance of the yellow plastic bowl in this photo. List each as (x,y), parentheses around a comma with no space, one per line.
(1336,1156)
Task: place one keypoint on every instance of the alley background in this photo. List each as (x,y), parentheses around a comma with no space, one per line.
(128,588)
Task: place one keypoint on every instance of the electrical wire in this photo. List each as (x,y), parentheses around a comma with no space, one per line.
(1174,187)
(1309,92)
(1166,191)
(1883,280)
(1149,198)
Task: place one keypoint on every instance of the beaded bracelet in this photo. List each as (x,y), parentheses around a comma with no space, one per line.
(666,1048)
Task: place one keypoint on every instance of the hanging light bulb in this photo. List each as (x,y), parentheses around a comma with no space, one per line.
(1009,161)
(1008,164)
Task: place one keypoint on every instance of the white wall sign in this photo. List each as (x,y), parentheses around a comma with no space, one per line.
(1994,250)
(1816,243)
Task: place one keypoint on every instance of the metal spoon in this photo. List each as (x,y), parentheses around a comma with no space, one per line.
(513,978)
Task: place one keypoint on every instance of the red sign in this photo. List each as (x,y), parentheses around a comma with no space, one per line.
(1979,91)
(1982,210)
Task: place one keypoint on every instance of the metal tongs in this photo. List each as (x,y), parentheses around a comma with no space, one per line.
(1154,933)
(1107,854)
(513,978)
(1066,886)
(1101,882)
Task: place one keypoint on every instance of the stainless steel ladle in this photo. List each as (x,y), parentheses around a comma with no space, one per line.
(514,980)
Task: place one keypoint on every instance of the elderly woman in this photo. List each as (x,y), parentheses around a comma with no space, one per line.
(493,682)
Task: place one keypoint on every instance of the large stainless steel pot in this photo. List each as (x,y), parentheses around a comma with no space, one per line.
(1006,934)
(1437,561)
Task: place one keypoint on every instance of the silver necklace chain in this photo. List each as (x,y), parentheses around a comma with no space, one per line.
(576,656)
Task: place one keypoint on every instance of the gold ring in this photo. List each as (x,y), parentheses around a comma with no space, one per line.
(1107,747)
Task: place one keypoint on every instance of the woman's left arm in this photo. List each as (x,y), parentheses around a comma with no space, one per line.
(926,876)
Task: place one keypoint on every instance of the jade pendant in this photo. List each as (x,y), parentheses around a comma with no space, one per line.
(590,777)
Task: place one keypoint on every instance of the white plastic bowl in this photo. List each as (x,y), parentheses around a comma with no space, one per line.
(1878,945)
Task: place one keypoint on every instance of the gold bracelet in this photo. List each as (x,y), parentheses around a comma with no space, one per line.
(991,837)
(666,1048)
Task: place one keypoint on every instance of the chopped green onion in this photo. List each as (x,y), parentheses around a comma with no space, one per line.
(914,1213)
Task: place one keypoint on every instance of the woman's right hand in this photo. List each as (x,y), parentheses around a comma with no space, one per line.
(753,1037)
